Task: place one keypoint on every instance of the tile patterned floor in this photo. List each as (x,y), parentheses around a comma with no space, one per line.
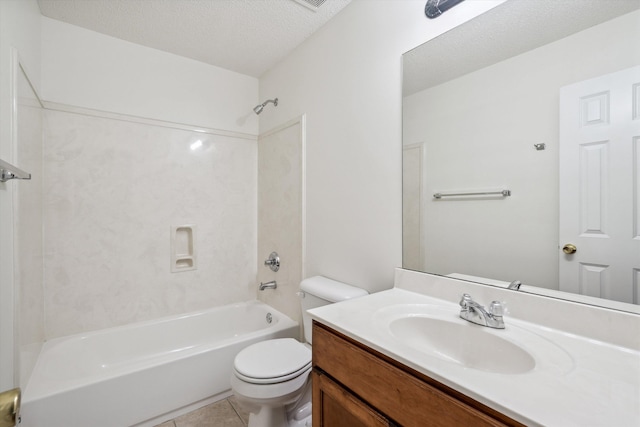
(225,413)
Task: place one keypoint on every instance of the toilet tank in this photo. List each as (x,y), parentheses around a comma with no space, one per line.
(318,291)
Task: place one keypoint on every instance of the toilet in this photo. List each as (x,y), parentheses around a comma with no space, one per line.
(271,378)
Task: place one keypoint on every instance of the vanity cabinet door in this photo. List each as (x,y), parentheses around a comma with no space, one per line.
(333,406)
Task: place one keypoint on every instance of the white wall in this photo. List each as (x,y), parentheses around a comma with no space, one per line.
(480,135)
(87,69)
(20,29)
(347,78)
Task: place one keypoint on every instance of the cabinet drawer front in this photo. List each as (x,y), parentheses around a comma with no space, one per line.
(406,399)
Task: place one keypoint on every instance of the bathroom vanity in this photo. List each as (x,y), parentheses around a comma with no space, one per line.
(405,357)
(355,385)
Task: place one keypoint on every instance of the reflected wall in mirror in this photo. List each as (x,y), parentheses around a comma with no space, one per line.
(477,103)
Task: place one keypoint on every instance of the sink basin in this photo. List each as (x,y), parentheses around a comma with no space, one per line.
(435,333)
(465,344)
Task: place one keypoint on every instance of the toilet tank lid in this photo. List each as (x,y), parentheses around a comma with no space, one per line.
(330,290)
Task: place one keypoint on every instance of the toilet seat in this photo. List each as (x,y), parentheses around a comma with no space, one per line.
(272,361)
(281,393)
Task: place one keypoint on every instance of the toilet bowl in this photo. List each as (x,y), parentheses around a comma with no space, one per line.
(271,378)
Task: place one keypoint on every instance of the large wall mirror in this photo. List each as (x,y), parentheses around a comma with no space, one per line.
(521,150)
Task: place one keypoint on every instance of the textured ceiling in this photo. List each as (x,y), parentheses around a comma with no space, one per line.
(246,36)
(509,29)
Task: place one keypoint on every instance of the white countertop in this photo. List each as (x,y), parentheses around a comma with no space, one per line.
(583,382)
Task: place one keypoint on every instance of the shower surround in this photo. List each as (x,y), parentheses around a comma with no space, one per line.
(113,187)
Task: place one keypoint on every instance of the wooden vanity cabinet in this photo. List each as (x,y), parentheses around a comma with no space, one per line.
(354,385)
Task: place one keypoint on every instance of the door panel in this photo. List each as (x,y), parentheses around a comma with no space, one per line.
(600,187)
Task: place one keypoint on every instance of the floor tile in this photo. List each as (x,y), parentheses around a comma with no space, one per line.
(244,415)
(218,414)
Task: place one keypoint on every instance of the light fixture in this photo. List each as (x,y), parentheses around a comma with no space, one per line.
(435,8)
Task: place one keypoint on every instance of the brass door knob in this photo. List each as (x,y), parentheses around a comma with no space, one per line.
(569,249)
(10,407)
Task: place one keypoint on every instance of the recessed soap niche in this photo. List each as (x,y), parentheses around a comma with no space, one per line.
(183,249)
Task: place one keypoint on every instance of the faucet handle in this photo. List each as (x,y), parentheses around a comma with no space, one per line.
(465,300)
(496,308)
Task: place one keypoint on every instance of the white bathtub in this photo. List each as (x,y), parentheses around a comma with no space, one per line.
(144,373)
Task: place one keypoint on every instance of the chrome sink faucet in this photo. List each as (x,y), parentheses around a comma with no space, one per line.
(515,285)
(473,312)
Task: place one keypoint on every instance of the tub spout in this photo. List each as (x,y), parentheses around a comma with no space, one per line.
(269,285)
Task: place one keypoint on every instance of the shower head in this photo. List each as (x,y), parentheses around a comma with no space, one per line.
(258,108)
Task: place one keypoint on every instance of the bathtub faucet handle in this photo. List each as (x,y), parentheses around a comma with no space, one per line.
(273,262)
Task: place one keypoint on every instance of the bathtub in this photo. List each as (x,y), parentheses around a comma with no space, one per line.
(145,373)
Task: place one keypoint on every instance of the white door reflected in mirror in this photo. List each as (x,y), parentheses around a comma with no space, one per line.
(599,191)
